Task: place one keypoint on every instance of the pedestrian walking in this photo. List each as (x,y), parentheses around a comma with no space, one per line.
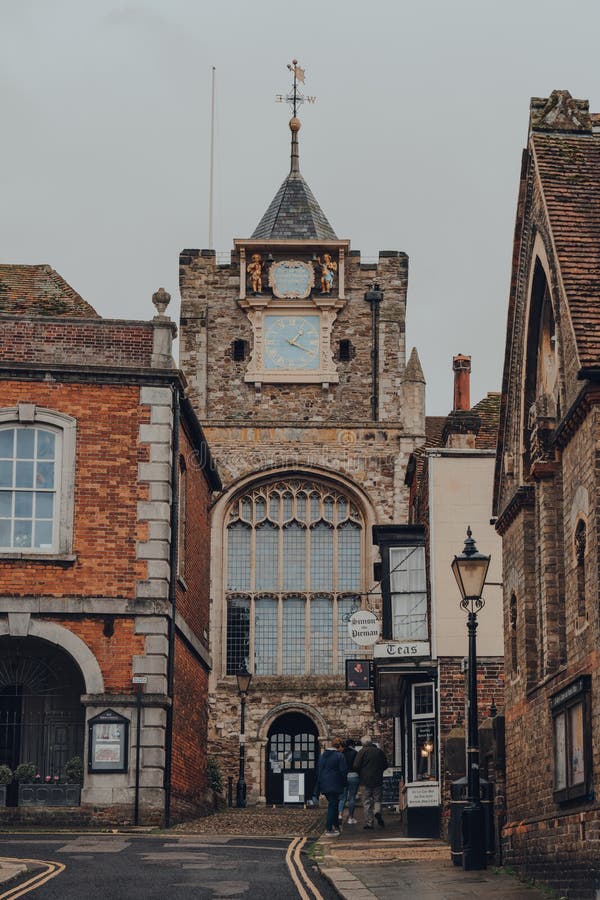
(370,764)
(332,771)
(348,795)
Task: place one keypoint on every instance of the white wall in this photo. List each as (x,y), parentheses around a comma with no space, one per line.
(460,489)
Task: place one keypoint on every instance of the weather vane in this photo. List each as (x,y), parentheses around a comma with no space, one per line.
(294,97)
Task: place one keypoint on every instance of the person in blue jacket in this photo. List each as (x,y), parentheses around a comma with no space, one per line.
(332,772)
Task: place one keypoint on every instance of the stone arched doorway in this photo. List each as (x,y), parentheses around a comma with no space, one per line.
(41,715)
(291,759)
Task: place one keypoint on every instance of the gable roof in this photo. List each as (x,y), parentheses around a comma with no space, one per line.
(40,291)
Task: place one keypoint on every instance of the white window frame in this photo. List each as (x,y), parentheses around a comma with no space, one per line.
(28,415)
(418,632)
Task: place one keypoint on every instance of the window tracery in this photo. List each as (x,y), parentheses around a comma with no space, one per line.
(294,570)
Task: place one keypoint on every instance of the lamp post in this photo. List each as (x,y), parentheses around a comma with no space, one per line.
(470,570)
(244,677)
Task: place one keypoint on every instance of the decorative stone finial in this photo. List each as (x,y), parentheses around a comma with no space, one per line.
(161,300)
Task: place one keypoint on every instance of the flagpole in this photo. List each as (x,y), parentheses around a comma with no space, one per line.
(212,162)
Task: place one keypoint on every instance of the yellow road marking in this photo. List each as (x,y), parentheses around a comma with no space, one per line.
(52,869)
(292,857)
(292,871)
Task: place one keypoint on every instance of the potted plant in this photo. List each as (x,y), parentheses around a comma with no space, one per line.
(6,776)
(51,790)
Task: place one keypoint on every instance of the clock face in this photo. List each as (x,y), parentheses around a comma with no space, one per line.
(292,342)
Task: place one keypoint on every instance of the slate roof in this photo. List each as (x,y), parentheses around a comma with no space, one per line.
(568,166)
(40,291)
(294,213)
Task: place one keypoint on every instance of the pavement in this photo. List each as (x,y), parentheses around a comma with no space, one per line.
(10,870)
(384,865)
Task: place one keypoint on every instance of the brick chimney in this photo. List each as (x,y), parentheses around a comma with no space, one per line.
(461,366)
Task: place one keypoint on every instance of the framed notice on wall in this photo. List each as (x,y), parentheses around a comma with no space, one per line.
(293,787)
(108,741)
(360,675)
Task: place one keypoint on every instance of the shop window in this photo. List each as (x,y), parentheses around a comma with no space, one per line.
(572,741)
(423,732)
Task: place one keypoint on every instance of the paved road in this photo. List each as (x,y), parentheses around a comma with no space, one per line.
(143,867)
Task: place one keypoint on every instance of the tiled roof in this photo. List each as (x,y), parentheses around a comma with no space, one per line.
(434,428)
(488,411)
(40,291)
(294,213)
(568,166)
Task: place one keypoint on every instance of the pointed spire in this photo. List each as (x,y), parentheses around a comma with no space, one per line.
(294,212)
(413,370)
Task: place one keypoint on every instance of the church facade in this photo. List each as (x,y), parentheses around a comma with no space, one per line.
(295,357)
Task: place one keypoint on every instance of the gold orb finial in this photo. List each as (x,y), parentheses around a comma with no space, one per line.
(295,124)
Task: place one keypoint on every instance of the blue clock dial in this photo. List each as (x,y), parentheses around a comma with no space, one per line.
(292,342)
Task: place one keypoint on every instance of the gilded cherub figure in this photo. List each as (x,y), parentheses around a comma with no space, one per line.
(328,270)
(255,272)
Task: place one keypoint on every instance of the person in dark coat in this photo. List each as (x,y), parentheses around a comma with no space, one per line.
(370,763)
(349,792)
(331,780)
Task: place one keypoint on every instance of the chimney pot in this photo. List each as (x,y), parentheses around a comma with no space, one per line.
(461,366)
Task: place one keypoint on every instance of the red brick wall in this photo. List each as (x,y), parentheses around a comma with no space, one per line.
(98,342)
(106,492)
(190,733)
(114,654)
(193,602)
(452,688)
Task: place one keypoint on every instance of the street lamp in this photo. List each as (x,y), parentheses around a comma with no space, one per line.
(244,677)
(470,570)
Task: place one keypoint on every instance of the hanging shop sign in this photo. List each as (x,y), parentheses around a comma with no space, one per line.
(364,627)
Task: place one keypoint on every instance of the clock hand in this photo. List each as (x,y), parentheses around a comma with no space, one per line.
(300,347)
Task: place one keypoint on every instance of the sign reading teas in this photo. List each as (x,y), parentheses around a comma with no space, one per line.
(401,649)
(363,627)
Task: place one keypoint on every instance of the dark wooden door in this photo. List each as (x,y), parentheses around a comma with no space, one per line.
(292,750)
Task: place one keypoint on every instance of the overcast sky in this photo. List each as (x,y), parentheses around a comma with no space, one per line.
(414,143)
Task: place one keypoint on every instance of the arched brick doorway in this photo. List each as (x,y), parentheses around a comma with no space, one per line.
(41,715)
(291,759)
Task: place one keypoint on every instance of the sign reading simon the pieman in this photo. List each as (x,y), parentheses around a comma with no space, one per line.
(363,627)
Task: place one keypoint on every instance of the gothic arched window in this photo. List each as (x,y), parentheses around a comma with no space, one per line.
(294,564)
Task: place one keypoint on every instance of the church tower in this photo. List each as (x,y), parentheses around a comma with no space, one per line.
(295,356)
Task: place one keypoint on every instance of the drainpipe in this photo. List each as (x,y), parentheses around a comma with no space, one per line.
(172,599)
(374,296)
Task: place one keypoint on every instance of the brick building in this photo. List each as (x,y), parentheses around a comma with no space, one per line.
(546,500)
(103,575)
(294,351)
(450,480)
